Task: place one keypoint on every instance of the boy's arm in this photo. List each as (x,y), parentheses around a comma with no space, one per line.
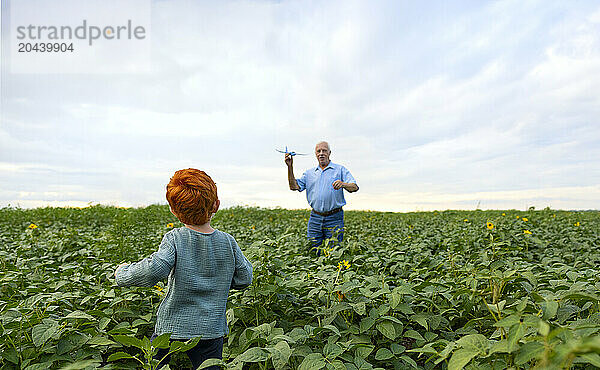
(242,276)
(150,270)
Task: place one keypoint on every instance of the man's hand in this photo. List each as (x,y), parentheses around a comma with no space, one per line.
(118,267)
(338,184)
(289,160)
(349,186)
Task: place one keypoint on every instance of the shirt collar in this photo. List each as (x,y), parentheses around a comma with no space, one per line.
(330,165)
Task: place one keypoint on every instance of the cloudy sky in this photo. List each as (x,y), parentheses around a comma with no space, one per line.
(448,105)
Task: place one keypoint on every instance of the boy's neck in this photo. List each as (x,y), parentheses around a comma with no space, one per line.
(204,228)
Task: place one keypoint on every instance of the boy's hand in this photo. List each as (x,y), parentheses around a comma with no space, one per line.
(118,267)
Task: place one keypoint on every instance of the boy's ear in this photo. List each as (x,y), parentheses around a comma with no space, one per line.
(216,206)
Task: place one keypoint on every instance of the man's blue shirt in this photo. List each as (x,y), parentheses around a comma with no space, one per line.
(320,193)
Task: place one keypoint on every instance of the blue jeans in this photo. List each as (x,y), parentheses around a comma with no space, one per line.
(205,349)
(321,227)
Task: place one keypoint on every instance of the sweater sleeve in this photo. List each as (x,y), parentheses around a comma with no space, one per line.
(150,270)
(242,276)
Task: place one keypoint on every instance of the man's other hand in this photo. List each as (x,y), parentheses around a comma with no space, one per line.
(338,184)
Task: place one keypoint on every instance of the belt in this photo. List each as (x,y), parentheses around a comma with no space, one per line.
(328,213)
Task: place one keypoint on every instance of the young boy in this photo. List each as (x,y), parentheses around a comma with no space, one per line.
(202,264)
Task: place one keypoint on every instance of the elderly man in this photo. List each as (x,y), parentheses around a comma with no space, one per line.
(324,186)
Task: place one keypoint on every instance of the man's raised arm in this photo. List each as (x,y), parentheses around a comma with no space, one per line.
(289,161)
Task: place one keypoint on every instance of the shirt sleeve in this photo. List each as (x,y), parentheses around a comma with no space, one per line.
(150,270)
(302,182)
(242,276)
(347,176)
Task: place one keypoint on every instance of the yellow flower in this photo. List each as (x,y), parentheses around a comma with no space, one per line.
(503,214)
(577,223)
(490,225)
(159,290)
(33,226)
(170,225)
(343,264)
(252,227)
(517,216)
(466,220)
(527,232)
(525,219)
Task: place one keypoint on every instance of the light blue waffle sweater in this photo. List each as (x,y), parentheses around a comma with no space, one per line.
(201,269)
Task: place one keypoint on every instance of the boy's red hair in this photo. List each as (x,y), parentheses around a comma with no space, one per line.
(192,194)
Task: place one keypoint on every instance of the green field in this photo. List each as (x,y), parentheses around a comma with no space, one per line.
(453,289)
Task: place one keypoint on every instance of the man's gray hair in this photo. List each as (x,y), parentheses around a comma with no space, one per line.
(323,142)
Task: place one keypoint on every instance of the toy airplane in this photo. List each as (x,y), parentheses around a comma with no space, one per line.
(290,152)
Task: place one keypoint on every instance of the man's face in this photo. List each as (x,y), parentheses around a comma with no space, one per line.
(322,153)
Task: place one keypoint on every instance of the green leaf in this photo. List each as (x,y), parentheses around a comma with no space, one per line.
(522,305)
(333,329)
(387,329)
(383,354)
(397,348)
(100,341)
(189,344)
(515,334)
(280,354)
(313,361)
(254,354)
(591,358)
(127,340)
(10,355)
(500,346)
(103,323)
(363,350)
(425,349)
(336,365)
(475,343)
(80,315)
(528,351)
(543,328)
(461,358)
(366,323)
(405,309)
(40,366)
(118,356)
(360,308)
(550,308)
(162,341)
(332,350)
(508,321)
(81,365)
(395,299)
(420,319)
(413,334)
(211,362)
(42,332)
(409,361)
